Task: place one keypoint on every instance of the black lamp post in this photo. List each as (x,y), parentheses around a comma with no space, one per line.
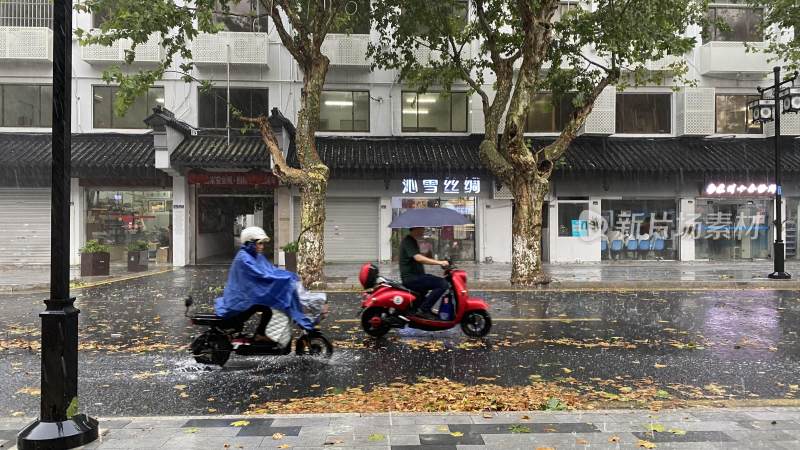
(767,110)
(59,425)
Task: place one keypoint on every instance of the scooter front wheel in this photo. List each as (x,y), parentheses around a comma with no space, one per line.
(373,323)
(314,344)
(476,324)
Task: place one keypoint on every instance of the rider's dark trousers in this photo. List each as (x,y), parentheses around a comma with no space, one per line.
(425,283)
(266,315)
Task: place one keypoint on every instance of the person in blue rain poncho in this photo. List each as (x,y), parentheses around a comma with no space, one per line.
(255,285)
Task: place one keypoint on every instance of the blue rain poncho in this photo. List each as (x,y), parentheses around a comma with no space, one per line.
(253,280)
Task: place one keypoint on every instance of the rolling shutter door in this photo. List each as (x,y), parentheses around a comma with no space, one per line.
(24,226)
(351,229)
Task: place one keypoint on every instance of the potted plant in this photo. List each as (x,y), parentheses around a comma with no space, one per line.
(95,258)
(290,256)
(138,256)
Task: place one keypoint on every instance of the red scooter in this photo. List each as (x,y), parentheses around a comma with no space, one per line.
(388,304)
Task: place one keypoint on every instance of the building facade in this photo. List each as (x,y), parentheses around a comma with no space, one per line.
(660,172)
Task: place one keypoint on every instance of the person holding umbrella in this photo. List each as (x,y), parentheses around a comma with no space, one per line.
(412,261)
(412,272)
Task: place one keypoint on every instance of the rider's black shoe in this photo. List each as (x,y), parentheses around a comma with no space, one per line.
(427,315)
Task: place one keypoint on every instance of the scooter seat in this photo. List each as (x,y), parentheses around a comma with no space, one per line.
(210,320)
(399,285)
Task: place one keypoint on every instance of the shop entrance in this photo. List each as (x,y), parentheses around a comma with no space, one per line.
(733,229)
(457,243)
(220,220)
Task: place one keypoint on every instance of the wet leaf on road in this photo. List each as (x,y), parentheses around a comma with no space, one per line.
(613,439)
(240,423)
(179,387)
(456,434)
(581,441)
(655,427)
(30,391)
(183,395)
(191,430)
(17,414)
(284,446)
(659,366)
(377,437)
(278,436)
(677,431)
(645,444)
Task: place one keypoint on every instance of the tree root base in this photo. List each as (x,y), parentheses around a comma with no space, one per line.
(537,279)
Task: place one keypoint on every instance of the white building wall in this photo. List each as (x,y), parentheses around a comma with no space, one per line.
(181,225)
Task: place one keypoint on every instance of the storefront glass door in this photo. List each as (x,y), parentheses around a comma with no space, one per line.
(457,243)
(733,229)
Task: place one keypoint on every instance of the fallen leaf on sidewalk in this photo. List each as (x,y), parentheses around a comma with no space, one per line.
(645,444)
(277,436)
(526,417)
(582,441)
(487,415)
(566,370)
(443,428)
(284,446)
(30,391)
(183,395)
(613,439)
(456,434)
(334,442)
(240,423)
(545,448)
(677,431)
(519,429)
(655,427)
(191,430)
(377,437)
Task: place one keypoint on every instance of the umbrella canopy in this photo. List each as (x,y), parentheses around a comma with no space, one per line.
(429,217)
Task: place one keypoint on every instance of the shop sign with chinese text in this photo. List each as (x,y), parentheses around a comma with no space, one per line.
(445,186)
(233,179)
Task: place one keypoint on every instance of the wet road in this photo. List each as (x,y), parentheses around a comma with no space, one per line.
(727,344)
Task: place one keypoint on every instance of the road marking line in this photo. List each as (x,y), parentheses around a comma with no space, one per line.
(508,319)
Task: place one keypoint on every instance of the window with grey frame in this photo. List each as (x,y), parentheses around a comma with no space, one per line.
(344,111)
(435,112)
(244,16)
(103,115)
(26,105)
(549,114)
(742,22)
(733,116)
(212,105)
(644,113)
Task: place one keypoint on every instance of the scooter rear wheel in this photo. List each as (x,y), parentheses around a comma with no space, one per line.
(476,324)
(213,349)
(372,322)
(314,344)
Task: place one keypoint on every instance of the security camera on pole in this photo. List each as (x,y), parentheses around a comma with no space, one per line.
(766,110)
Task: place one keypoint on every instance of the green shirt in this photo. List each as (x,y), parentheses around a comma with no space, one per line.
(409,267)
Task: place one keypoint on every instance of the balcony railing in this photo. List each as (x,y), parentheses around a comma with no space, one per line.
(26,13)
(26,43)
(245,48)
(346,50)
(148,52)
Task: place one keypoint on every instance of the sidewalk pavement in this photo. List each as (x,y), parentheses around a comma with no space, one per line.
(695,428)
(34,278)
(597,275)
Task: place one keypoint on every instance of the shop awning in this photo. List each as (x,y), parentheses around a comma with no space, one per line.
(397,157)
(107,155)
(673,155)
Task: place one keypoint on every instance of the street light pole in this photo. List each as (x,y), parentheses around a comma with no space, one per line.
(59,424)
(778,251)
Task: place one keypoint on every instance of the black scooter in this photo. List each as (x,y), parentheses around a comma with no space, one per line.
(225,336)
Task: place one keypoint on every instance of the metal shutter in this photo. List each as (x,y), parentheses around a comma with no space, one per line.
(24,226)
(351,229)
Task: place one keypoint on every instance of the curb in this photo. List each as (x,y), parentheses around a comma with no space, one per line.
(43,287)
(642,285)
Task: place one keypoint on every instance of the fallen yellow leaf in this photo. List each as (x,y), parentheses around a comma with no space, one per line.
(240,423)
(179,387)
(17,414)
(613,439)
(582,441)
(444,428)
(456,434)
(566,370)
(277,436)
(659,366)
(284,446)
(487,415)
(645,444)
(183,395)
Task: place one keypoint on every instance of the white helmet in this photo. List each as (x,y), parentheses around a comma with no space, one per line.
(256,234)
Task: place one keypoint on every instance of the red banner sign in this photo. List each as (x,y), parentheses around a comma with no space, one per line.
(233,179)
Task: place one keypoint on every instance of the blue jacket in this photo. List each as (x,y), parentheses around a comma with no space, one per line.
(253,280)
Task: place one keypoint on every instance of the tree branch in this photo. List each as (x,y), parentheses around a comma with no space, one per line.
(282,168)
(286,38)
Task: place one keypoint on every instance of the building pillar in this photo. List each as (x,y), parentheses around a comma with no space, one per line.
(283,221)
(180,223)
(77,212)
(384,232)
(686,236)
